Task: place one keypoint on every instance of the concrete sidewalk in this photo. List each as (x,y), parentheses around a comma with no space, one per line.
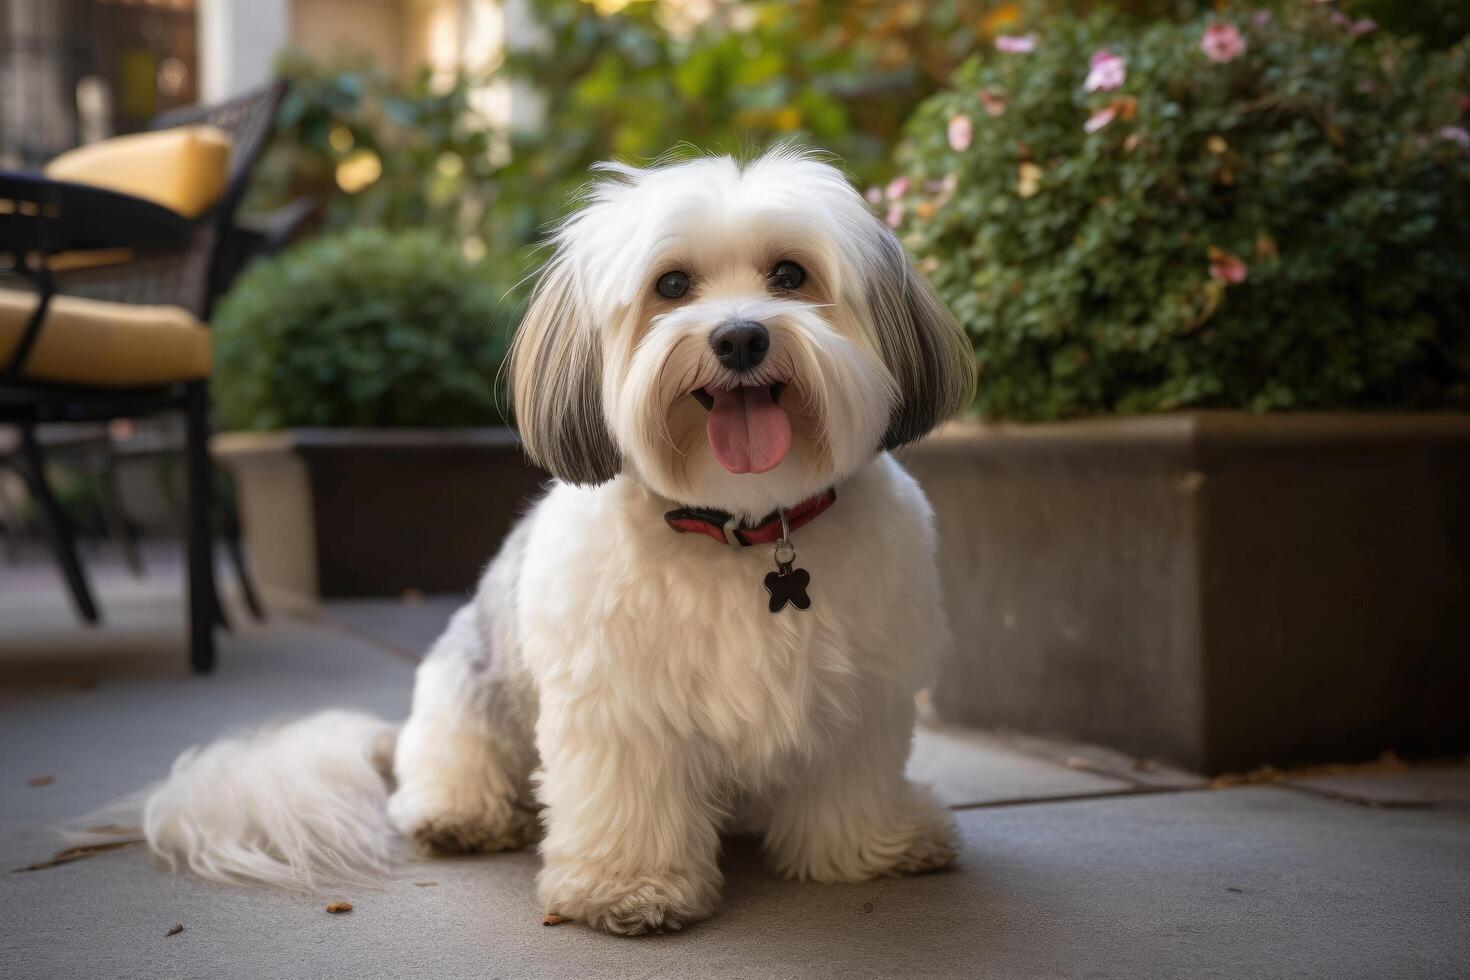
(1076,862)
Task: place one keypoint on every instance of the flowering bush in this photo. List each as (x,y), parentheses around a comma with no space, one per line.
(1256,210)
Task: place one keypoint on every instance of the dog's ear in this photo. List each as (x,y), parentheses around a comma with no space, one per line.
(926,351)
(556,384)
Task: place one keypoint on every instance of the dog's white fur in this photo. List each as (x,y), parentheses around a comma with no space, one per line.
(625,687)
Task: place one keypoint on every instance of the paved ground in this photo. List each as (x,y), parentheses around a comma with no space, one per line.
(1076,863)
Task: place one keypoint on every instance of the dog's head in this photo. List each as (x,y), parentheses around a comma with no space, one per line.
(740,337)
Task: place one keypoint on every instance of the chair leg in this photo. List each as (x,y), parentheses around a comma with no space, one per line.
(116,518)
(242,572)
(63,542)
(9,529)
(203,604)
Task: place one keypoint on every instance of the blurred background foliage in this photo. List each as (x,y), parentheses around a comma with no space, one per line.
(374,152)
(633,80)
(627,81)
(1435,23)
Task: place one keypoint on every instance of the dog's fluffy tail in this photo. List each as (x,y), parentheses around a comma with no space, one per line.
(294,805)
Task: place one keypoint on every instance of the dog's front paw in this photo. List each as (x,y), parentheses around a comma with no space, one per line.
(623,904)
(849,851)
(933,850)
(460,822)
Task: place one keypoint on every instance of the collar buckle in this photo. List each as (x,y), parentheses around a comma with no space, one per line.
(732,532)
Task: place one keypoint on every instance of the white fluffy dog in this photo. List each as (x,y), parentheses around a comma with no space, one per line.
(722,349)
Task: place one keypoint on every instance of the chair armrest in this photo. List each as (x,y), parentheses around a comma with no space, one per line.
(254,236)
(39,214)
(274,230)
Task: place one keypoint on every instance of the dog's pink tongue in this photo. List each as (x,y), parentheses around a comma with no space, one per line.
(748,432)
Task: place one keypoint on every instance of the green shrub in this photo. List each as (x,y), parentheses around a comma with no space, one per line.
(369,328)
(1097,271)
(1439,23)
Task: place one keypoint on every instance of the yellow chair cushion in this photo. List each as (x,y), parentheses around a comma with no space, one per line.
(185,169)
(93,258)
(92,342)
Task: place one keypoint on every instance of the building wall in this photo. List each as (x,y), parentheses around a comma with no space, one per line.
(379,31)
(240,39)
(238,44)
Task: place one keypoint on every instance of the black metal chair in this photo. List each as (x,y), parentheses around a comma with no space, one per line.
(175,270)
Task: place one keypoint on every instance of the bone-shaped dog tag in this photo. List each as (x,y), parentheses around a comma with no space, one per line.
(787,584)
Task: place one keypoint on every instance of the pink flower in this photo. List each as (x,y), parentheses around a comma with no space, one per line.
(994,101)
(1124,107)
(894,218)
(1357,28)
(1015,43)
(1222,43)
(874,195)
(1261,18)
(1107,71)
(1100,118)
(897,187)
(1458,135)
(943,188)
(1226,268)
(961,130)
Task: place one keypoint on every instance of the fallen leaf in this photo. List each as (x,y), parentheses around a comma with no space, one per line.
(337,908)
(1389,760)
(78,853)
(174,930)
(1081,762)
(426,884)
(1263,774)
(46,779)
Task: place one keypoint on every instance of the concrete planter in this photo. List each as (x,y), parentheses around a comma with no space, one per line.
(1218,590)
(332,513)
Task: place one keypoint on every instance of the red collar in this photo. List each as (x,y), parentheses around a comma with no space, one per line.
(729,529)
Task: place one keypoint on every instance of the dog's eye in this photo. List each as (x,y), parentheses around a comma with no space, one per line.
(672,285)
(788,275)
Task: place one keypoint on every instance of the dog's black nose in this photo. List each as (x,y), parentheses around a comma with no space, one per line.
(740,344)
